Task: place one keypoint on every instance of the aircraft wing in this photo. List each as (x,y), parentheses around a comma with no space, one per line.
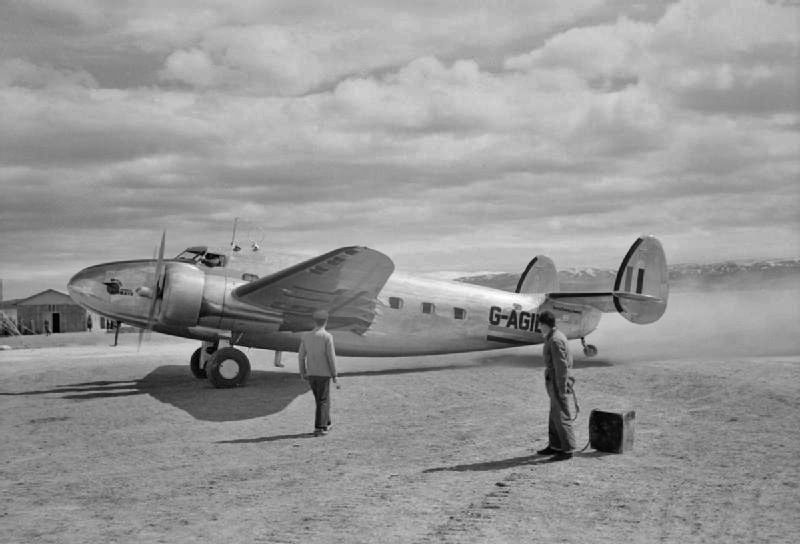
(345,282)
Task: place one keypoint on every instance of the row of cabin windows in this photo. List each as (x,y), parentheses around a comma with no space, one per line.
(427,308)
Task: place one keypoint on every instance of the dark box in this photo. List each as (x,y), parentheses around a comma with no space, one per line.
(611,432)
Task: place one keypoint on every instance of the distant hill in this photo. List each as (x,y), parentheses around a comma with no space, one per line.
(728,275)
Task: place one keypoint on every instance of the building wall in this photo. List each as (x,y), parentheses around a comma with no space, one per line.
(72,318)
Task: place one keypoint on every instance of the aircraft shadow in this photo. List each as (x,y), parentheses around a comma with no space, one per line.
(522,360)
(537,361)
(265,393)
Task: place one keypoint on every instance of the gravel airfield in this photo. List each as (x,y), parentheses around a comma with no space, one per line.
(105,444)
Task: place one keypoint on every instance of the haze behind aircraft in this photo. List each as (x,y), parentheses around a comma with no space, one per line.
(373,311)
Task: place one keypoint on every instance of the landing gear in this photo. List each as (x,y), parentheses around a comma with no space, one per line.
(200,359)
(228,367)
(198,371)
(588,349)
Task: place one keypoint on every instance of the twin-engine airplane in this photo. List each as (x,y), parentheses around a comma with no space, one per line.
(372,310)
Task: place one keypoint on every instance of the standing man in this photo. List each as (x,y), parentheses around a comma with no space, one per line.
(317,358)
(558,380)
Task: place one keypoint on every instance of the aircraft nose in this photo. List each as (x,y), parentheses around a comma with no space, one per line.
(88,289)
(116,290)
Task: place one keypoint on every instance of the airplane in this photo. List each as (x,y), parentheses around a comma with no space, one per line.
(373,310)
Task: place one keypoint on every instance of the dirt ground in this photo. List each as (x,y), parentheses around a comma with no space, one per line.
(108,444)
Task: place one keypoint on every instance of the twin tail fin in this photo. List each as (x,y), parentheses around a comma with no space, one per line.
(641,286)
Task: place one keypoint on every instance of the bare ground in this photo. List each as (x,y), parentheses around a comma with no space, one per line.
(113,445)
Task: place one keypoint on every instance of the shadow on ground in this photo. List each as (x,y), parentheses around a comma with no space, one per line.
(265,393)
(501,464)
(535,360)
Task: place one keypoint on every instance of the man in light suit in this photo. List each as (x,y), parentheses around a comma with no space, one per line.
(317,359)
(558,380)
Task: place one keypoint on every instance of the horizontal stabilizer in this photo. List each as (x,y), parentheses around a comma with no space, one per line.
(603,301)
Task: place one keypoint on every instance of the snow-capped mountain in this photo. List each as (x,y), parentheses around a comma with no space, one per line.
(732,275)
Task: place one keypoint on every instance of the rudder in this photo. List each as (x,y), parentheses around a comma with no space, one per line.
(540,276)
(641,288)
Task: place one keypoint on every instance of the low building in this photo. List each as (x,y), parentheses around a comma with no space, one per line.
(52,308)
(8,316)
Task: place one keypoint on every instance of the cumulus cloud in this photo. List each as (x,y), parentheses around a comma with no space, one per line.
(439,137)
(264,59)
(604,56)
(21,73)
(734,57)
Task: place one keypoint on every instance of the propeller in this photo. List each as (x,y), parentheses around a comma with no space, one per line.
(155,291)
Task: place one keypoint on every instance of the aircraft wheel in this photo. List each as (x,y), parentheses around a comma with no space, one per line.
(194,365)
(228,367)
(589,350)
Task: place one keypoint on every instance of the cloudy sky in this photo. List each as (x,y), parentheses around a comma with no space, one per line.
(452,135)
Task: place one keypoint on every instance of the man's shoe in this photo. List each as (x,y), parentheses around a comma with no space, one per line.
(562,456)
(548,451)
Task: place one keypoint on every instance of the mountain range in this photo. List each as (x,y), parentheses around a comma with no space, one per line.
(728,275)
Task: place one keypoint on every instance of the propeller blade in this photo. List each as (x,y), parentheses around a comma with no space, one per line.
(155,290)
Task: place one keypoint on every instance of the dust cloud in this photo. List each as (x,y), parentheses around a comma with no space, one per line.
(707,325)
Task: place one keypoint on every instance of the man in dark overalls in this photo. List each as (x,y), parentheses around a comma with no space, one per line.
(558,380)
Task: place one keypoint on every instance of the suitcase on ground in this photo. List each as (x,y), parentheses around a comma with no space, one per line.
(611,432)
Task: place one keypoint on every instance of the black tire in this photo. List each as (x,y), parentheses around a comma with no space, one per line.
(228,367)
(194,365)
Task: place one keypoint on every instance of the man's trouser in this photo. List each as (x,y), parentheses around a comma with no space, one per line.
(560,433)
(321,387)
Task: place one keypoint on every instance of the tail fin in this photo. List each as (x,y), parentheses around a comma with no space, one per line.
(641,288)
(540,276)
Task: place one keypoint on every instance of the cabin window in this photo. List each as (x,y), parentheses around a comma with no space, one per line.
(459,313)
(428,308)
(395,302)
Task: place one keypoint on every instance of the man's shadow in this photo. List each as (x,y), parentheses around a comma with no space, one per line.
(512,462)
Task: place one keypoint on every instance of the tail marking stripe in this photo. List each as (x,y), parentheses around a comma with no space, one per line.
(640,281)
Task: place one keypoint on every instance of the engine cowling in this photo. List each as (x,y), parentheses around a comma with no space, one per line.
(182,296)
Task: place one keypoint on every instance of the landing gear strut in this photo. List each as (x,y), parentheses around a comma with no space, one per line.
(200,359)
(588,349)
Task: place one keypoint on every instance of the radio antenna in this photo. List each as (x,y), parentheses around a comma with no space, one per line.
(233,236)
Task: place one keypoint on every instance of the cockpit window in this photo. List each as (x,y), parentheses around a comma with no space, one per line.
(191,255)
(213,260)
(201,255)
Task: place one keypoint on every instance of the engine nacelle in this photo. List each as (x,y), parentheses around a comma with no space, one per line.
(183,295)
